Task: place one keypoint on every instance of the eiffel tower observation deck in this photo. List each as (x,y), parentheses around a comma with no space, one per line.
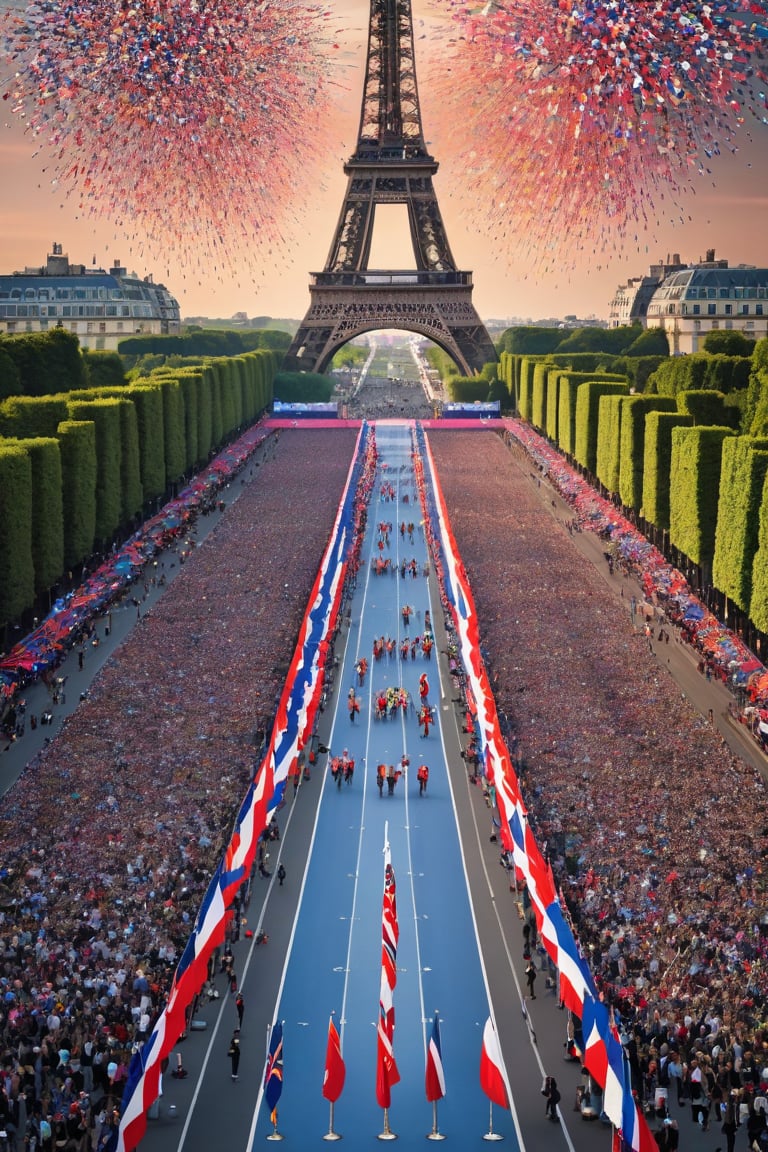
(391,165)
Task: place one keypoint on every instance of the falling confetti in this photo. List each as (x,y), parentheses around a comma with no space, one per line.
(593,118)
(200,124)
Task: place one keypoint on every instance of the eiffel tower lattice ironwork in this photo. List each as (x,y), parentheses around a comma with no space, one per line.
(391,165)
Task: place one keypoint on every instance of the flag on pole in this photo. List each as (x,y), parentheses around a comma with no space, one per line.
(491,1066)
(335,1071)
(273,1074)
(386,1068)
(435,1077)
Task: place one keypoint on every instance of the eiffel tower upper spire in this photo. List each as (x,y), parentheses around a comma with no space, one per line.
(391,166)
(390,120)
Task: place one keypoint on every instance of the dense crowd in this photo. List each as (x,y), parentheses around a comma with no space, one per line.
(110,835)
(656,832)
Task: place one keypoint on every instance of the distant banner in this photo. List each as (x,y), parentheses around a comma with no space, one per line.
(482,410)
(305,411)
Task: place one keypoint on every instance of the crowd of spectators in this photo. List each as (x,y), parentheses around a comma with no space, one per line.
(656,831)
(111,833)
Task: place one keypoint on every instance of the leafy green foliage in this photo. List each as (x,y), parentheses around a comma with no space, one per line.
(728,342)
(567,387)
(587,416)
(27,416)
(634,412)
(17,577)
(203,342)
(614,341)
(694,486)
(104,369)
(350,356)
(466,389)
(47,509)
(77,441)
(608,441)
(105,414)
(707,408)
(700,371)
(10,377)
(148,399)
(303,388)
(657,464)
(539,394)
(743,472)
(530,341)
(648,342)
(758,606)
(46,362)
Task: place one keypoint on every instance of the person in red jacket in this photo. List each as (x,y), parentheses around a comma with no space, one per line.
(422,775)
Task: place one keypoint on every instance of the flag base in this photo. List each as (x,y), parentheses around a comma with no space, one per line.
(275,1136)
(332,1136)
(435,1136)
(387,1134)
(493,1136)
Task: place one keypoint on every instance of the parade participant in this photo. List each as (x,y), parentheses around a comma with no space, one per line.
(234,1052)
(422,775)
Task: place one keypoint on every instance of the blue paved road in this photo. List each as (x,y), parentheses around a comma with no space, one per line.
(334,960)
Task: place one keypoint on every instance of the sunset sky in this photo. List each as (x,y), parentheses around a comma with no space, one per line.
(729,217)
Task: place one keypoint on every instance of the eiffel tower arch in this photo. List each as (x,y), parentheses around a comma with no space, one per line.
(391,165)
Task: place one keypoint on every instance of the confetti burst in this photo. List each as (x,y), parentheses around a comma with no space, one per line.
(594,117)
(202,122)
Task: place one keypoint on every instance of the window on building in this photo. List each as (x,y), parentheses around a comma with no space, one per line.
(711,309)
(729,309)
(745,309)
(758,309)
(697,309)
(715,324)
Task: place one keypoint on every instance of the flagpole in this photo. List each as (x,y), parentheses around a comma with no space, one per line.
(435,1134)
(490,1134)
(330,1134)
(386,1133)
(274,1134)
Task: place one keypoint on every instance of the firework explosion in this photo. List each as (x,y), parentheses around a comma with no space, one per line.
(592,114)
(197,121)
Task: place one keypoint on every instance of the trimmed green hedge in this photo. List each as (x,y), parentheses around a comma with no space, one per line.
(17,573)
(587,415)
(45,362)
(105,414)
(744,468)
(24,417)
(47,510)
(539,395)
(77,440)
(758,607)
(657,464)
(634,412)
(148,399)
(708,408)
(608,441)
(693,491)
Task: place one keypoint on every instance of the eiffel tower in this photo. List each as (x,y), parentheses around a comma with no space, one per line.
(391,165)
